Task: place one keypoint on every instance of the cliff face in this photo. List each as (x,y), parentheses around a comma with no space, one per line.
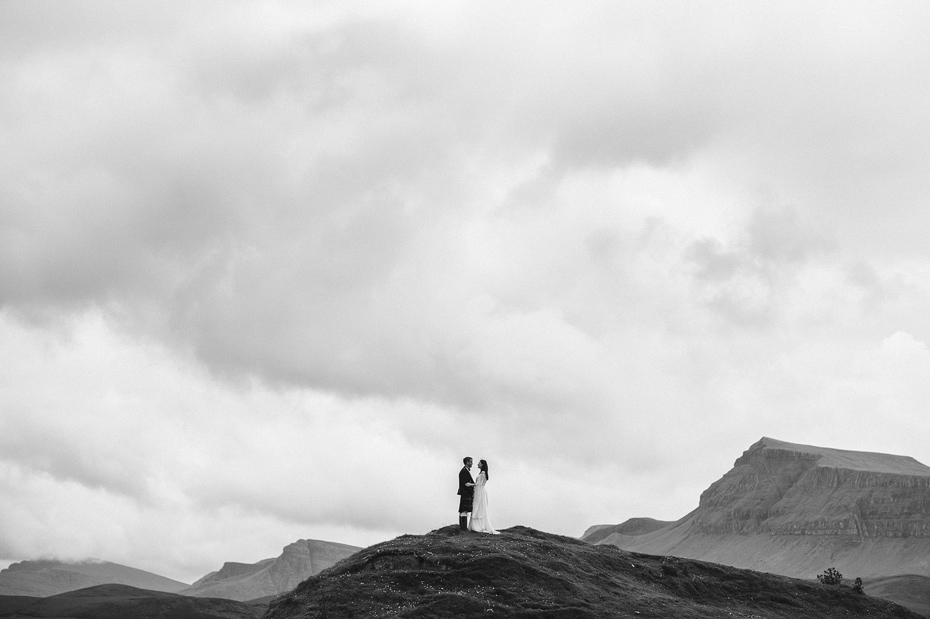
(231,569)
(303,559)
(298,561)
(785,489)
(796,510)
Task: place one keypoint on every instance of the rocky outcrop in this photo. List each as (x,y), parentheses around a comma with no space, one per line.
(249,581)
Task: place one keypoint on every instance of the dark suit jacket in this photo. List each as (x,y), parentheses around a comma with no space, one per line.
(465,478)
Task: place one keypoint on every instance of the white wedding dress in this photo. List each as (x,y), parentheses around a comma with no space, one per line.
(479,510)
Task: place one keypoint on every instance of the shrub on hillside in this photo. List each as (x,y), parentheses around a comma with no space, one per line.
(830,577)
(857,586)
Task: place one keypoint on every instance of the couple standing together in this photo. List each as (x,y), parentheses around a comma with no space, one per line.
(473,497)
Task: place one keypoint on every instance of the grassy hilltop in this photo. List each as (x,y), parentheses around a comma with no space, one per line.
(527,573)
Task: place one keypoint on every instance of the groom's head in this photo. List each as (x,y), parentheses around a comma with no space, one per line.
(467,461)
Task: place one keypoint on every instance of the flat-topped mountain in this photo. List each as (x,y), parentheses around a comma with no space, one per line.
(787,489)
(249,581)
(48,577)
(633,526)
(526,573)
(796,510)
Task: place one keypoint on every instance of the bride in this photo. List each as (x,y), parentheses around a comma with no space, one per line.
(479,512)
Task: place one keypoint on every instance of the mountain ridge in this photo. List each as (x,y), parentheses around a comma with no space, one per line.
(631,527)
(268,577)
(46,577)
(234,581)
(114,601)
(844,458)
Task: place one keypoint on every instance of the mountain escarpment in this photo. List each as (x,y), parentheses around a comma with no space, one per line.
(249,581)
(785,489)
(796,510)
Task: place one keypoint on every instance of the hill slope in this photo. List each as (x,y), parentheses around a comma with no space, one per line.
(527,573)
(908,590)
(245,581)
(123,602)
(44,578)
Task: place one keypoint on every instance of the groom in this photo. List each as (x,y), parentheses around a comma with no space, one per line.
(466,493)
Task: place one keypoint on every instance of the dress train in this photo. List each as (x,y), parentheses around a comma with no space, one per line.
(480,522)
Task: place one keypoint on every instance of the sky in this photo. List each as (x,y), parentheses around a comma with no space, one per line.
(270,270)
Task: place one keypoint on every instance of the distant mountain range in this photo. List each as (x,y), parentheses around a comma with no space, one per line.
(125,602)
(797,510)
(45,578)
(784,508)
(248,581)
(234,581)
(633,526)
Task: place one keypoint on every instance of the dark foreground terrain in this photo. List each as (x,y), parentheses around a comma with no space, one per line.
(528,573)
(125,602)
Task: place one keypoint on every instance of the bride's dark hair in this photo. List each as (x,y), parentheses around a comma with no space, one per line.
(483,466)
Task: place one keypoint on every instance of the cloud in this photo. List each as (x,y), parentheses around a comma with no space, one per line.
(248,251)
(132,449)
(748,284)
